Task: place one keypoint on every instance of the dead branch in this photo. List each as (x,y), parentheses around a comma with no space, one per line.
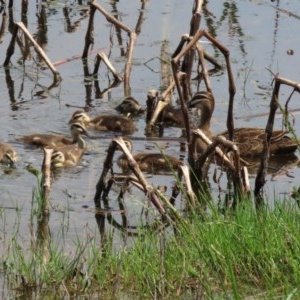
(46,180)
(43,230)
(37,48)
(181,53)
(102,56)
(222,159)
(132,38)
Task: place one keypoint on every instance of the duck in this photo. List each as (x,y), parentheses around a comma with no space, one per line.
(250,140)
(170,115)
(8,155)
(54,140)
(67,156)
(130,105)
(116,123)
(149,161)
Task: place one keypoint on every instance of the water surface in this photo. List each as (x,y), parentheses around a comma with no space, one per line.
(259,35)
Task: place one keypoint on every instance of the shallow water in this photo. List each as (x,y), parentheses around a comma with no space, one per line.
(259,35)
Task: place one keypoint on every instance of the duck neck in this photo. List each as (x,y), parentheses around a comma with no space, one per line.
(205,121)
(81,142)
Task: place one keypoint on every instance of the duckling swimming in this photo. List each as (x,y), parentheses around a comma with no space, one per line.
(68,155)
(129,106)
(149,161)
(54,141)
(8,155)
(170,114)
(116,123)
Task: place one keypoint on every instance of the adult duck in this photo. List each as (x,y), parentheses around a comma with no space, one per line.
(250,141)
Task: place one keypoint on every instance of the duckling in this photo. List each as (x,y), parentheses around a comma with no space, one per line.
(55,141)
(8,155)
(68,155)
(148,161)
(64,157)
(105,122)
(129,106)
(170,115)
(249,140)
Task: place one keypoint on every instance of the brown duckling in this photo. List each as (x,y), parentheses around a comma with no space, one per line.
(55,140)
(105,122)
(249,140)
(170,115)
(149,161)
(129,106)
(8,155)
(68,155)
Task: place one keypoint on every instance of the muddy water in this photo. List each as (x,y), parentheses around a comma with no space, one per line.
(259,34)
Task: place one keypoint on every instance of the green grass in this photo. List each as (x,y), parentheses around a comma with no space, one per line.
(234,257)
(245,253)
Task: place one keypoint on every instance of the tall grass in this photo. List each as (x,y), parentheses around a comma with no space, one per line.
(230,257)
(242,254)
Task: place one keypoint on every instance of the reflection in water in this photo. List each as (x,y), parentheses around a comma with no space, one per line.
(116,14)
(120,220)
(138,26)
(88,83)
(24,12)
(277,164)
(276,26)
(91,81)
(102,215)
(69,26)
(42,29)
(10,88)
(229,14)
